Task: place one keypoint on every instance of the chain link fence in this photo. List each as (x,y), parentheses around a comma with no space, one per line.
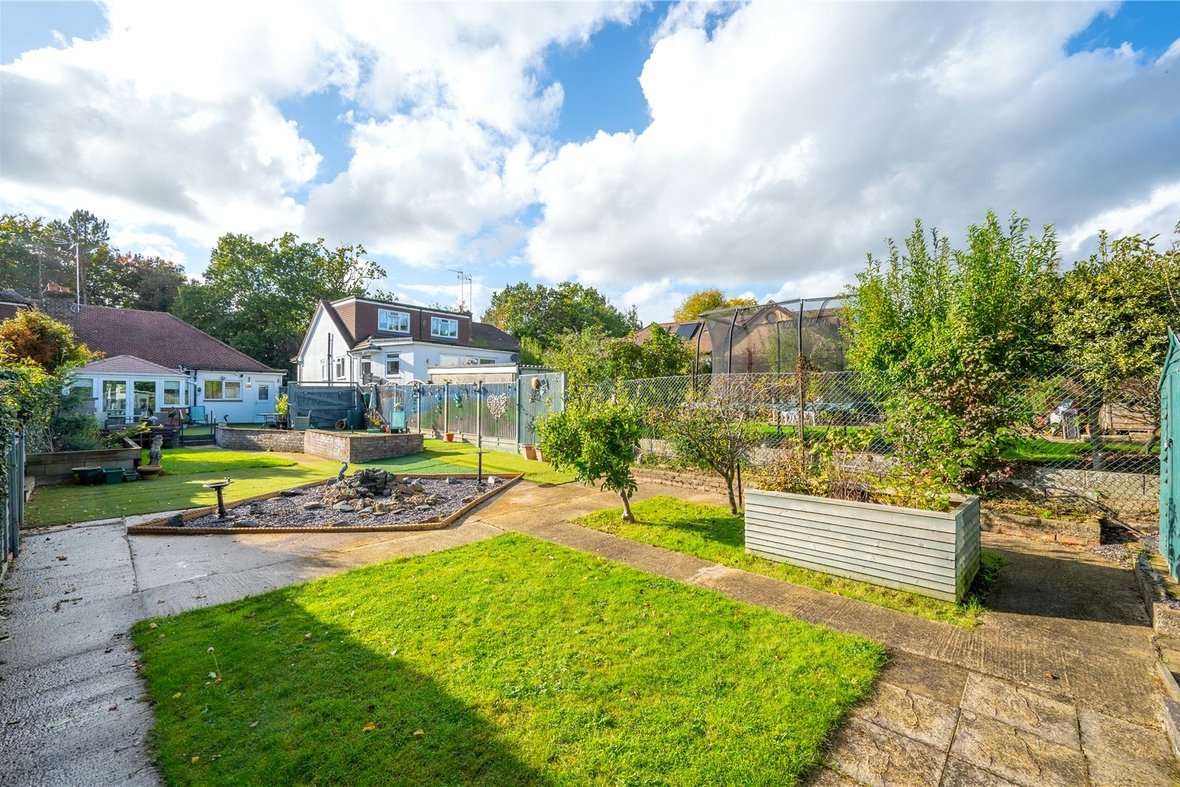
(1066,439)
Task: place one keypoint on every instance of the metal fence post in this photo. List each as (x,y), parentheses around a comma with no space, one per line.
(446,407)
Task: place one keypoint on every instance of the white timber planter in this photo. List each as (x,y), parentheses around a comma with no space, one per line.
(932,553)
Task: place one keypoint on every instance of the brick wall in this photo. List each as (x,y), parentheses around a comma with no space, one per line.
(259,439)
(360,447)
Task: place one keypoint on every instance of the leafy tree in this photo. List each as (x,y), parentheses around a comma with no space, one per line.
(259,297)
(29,259)
(697,303)
(582,356)
(660,355)
(948,335)
(598,440)
(153,282)
(101,282)
(36,357)
(1113,317)
(33,336)
(544,313)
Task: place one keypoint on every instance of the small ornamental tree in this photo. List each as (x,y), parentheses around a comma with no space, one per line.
(596,439)
(715,432)
(36,337)
(37,354)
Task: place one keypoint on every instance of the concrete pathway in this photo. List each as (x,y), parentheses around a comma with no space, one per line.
(1056,688)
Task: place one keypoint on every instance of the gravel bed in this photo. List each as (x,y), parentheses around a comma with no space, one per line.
(423,500)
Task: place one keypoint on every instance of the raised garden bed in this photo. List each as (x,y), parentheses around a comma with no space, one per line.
(371,499)
(58,466)
(932,553)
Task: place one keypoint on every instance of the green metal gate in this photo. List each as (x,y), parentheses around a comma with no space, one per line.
(1169,456)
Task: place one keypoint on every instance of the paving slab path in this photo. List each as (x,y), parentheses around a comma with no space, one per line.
(1056,688)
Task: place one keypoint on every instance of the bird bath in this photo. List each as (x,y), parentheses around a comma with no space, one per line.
(218,486)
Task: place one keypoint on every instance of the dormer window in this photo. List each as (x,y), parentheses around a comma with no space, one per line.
(444,328)
(395,322)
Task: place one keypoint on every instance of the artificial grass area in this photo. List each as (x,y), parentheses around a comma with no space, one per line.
(253,473)
(712,533)
(508,661)
(442,457)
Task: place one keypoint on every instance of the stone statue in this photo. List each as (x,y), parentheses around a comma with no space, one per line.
(154,451)
(340,475)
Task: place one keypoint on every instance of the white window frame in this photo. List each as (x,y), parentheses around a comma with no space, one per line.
(393,321)
(395,359)
(165,391)
(339,368)
(225,385)
(436,327)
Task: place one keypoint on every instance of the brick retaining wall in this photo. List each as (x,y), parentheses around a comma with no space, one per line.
(259,439)
(360,446)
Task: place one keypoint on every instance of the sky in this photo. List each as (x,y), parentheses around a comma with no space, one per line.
(649,150)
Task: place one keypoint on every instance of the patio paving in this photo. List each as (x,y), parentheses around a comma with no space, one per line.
(1056,688)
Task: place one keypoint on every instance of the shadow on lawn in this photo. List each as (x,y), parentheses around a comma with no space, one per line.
(727,530)
(293,709)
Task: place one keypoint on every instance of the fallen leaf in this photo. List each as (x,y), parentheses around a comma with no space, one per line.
(195,760)
(113,707)
(177,695)
(62,557)
(369,727)
(418,733)
(215,757)
(153,625)
(307,635)
(253,724)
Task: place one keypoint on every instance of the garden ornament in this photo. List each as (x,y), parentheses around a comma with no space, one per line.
(154,451)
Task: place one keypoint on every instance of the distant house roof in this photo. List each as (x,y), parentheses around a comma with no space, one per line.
(489,337)
(356,320)
(12,302)
(687,332)
(157,337)
(126,364)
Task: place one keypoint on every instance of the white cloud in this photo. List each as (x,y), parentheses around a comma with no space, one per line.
(171,116)
(796,137)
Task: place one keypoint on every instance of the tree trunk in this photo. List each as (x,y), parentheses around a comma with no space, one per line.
(733,507)
(627,515)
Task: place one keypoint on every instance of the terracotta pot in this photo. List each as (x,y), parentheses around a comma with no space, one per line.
(450,437)
(528,451)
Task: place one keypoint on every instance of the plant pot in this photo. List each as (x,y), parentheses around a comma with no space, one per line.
(540,455)
(932,553)
(450,437)
(148,472)
(528,451)
(89,475)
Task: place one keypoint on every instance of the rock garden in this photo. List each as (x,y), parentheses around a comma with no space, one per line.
(370,498)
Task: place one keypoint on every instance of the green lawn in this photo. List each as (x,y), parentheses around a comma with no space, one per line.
(253,473)
(505,662)
(1036,449)
(712,533)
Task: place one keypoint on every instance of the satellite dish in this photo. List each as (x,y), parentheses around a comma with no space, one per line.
(514,357)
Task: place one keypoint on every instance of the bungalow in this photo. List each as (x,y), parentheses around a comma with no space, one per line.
(155,361)
(359,340)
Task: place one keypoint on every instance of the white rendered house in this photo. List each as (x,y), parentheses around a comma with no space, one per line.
(359,340)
